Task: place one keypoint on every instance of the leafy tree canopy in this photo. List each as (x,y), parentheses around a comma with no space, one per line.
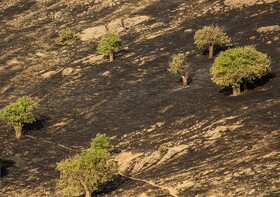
(85,171)
(238,65)
(210,35)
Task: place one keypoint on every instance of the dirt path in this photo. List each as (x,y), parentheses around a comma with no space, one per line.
(171,191)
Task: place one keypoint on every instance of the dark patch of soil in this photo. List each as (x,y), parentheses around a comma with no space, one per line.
(137,94)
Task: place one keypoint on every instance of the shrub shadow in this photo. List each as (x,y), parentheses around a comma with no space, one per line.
(4,165)
(259,82)
(37,125)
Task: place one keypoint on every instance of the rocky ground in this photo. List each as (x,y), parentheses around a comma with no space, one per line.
(217,145)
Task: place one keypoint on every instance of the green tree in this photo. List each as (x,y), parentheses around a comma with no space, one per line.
(209,36)
(240,65)
(19,112)
(85,171)
(110,43)
(177,66)
(66,37)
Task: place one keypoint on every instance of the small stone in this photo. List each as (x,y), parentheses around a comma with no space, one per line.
(252,191)
(67,71)
(188,30)
(106,74)
(48,74)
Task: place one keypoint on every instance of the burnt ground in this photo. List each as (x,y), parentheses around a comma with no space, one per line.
(233,142)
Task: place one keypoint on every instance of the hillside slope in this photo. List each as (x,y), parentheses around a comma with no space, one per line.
(219,145)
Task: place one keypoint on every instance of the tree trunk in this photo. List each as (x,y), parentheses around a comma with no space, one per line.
(236,90)
(245,87)
(185,80)
(111,56)
(88,194)
(211,50)
(18,130)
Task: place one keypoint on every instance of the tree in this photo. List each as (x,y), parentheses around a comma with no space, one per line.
(177,66)
(19,112)
(240,65)
(209,36)
(66,37)
(85,171)
(110,43)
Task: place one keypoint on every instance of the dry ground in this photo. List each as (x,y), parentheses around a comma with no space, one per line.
(218,145)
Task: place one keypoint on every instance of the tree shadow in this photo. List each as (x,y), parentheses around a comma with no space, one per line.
(4,165)
(117,54)
(227,91)
(36,125)
(250,86)
(258,82)
(110,186)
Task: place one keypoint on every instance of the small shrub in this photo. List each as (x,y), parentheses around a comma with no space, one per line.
(85,171)
(19,112)
(66,37)
(162,150)
(177,66)
(240,65)
(209,36)
(109,43)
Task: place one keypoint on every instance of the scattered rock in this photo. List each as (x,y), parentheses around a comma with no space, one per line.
(106,73)
(268,29)
(276,38)
(133,21)
(146,162)
(124,160)
(252,37)
(39,54)
(172,152)
(67,71)
(116,26)
(93,33)
(59,124)
(48,74)
(242,3)
(188,30)
(13,61)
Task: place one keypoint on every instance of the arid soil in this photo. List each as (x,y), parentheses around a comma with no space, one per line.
(218,145)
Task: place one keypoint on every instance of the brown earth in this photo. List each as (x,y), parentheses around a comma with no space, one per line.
(218,145)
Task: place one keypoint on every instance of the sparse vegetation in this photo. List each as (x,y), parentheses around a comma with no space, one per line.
(177,66)
(237,66)
(66,37)
(109,44)
(19,112)
(84,172)
(209,36)
(162,150)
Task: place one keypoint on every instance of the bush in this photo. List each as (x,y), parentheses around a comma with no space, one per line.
(109,43)
(162,150)
(177,66)
(66,37)
(18,113)
(84,172)
(209,36)
(240,65)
